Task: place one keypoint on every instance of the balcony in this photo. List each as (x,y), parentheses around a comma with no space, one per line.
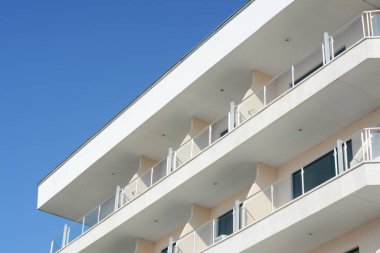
(359,153)
(363,27)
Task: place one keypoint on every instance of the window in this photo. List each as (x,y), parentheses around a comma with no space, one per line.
(314,174)
(349,155)
(355,250)
(166,250)
(337,53)
(225,224)
(222,133)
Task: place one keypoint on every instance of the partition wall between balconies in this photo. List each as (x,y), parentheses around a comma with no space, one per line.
(364,26)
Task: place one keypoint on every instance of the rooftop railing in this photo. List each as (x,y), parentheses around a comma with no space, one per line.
(365,26)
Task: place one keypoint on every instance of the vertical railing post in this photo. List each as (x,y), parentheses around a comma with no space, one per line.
(323,55)
(293,81)
(170,246)
(368,25)
(370,144)
(99,213)
(151,176)
(64,236)
(363,147)
(302,181)
(213,231)
(345,156)
(83,223)
(265,95)
(236,216)
(209,135)
(231,117)
(336,161)
(117,198)
(363,25)
(339,146)
(169,161)
(326,43)
(243,216)
(191,147)
(332,47)
(272,196)
(52,246)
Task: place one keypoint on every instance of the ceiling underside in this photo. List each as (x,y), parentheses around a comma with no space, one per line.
(328,224)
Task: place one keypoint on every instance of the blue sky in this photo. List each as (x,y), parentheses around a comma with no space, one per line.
(66,68)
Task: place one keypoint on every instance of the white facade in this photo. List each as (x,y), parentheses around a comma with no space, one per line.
(265,138)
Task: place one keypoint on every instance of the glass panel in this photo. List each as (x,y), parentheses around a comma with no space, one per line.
(319,171)
(219,128)
(347,36)
(308,65)
(107,208)
(91,219)
(183,154)
(376,25)
(201,141)
(251,106)
(348,153)
(283,192)
(356,149)
(203,237)
(375,145)
(225,224)
(256,207)
(159,171)
(297,184)
(75,230)
(185,244)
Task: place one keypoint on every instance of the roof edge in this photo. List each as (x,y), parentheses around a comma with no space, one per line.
(171,69)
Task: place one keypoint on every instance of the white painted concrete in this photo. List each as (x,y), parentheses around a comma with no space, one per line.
(234,33)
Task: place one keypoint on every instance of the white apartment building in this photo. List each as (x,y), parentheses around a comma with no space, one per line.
(264,138)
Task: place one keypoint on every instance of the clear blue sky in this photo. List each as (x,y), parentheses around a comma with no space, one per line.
(66,68)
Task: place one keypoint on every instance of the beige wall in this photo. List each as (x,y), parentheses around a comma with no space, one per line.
(371,120)
(259,205)
(144,246)
(196,126)
(145,164)
(366,237)
(283,185)
(252,104)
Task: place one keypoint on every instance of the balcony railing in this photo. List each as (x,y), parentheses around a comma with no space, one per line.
(361,147)
(365,26)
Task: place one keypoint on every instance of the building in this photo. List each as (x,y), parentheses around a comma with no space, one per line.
(264,138)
